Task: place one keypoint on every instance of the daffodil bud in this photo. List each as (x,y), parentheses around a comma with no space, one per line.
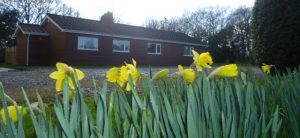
(188,75)
(159,75)
(244,77)
(230,70)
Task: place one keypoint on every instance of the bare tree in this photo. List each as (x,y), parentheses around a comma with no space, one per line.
(33,11)
(164,24)
(206,22)
(240,19)
(152,23)
(227,31)
(200,24)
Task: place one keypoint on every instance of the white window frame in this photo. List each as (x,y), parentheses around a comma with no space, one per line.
(82,38)
(190,48)
(124,44)
(156,49)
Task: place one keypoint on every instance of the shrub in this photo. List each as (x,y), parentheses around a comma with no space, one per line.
(276,29)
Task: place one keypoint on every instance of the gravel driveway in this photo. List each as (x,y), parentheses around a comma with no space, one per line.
(35,78)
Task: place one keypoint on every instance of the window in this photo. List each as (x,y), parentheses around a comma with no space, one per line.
(121,45)
(188,51)
(87,43)
(154,48)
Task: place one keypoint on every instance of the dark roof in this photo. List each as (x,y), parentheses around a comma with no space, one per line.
(94,26)
(32,29)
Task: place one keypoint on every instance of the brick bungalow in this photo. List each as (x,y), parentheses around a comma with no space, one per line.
(80,41)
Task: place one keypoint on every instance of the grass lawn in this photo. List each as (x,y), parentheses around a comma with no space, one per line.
(22,67)
(47,92)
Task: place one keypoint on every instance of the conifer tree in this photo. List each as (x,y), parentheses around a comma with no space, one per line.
(276,32)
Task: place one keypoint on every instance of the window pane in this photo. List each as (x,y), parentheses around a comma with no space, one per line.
(191,51)
(188,51)
(158,48)
(127,48)
(152,48)
(121,45)
(118,47)
(89,43)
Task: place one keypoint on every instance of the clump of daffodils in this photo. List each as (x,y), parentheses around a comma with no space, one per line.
(203,60)
(121,75)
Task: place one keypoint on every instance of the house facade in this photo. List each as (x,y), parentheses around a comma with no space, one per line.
(80,41)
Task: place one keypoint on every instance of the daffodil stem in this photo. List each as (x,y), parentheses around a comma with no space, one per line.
(193,65)
(10,99)
(74,78)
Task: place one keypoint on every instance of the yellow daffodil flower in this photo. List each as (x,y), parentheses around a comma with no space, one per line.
(12,112)
(230,70)
(161,74)
(188,75)
(113,74)
(133,72)
(266,68)
(121,75)
(65,72)
(204,60)
(117,75)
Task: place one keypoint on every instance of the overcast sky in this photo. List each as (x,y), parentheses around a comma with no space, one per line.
(136,12)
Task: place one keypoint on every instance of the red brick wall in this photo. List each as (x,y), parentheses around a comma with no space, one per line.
(63,48)
(57,42)
(39,50)
(21,49)
(171,54)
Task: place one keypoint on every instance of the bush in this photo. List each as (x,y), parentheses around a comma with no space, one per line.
(276,29)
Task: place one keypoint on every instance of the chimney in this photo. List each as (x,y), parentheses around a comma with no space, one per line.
(107,18)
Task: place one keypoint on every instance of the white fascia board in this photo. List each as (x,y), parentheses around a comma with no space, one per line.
(18,28)
(28,33)
(47,17)
(33,33)
(131,37)
(15,32)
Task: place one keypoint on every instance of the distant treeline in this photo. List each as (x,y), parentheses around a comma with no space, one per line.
(226,31)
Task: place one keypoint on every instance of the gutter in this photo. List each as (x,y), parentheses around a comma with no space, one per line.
(131,37)
(27,50)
